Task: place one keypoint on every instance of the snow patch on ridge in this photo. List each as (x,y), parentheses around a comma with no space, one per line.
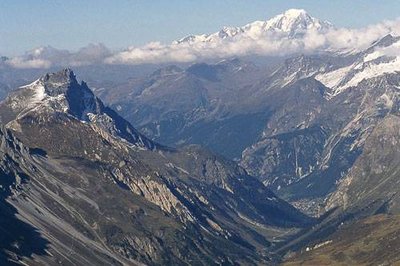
(373,70)
(333,78)
(374,64)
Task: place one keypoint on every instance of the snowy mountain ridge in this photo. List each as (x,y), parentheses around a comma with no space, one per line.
(61,97)
(292,23)
(55,92)
(291,33)
(381,58)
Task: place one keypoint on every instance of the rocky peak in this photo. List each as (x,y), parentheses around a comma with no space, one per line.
(55,84)
(63,93)
(65,75)
(386,41)
(61,97)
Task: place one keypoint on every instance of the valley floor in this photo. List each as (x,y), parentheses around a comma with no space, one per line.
(371,241)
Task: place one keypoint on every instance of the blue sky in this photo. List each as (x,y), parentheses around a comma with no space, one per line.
(70,24)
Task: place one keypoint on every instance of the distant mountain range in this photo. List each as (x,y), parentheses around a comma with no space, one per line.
(300,126)
(89,187)
(293,23)
(291,158)
(292,32)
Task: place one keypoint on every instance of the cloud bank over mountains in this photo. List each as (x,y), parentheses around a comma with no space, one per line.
(47,56)
(292,32)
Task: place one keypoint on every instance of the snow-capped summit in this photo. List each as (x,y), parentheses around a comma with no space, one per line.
(55,92)
(59,97)
(296,21)
(292,23)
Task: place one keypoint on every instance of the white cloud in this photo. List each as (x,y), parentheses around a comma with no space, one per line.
(47,56)
(18,62)
(153,52)
(359,39)
(266,43)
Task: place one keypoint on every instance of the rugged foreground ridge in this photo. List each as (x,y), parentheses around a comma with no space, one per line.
(79,185)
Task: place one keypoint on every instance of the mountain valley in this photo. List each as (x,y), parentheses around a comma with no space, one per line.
(69,159)
(235,158)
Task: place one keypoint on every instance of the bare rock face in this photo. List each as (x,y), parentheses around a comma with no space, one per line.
(95,190)
(371,184)
(77,179)
(298,126)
